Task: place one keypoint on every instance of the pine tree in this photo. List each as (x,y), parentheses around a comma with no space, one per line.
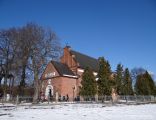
(104,75)
(141,87)
(127,83)
(89,88)
(151,83)
(145,85)
(119,79)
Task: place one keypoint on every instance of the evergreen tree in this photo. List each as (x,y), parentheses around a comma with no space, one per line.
(145,85)
(127,83)
(141,87)
(151,83)
(104,75)
(89,88)
(119,79)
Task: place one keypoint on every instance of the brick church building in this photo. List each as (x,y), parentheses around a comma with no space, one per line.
(64,78)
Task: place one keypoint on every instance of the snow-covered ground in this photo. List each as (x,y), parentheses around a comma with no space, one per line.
(79,112)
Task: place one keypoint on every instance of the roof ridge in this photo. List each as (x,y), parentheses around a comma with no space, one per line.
(85,54)
(58,62)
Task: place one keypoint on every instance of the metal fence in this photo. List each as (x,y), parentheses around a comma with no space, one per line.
(87,99)
(137,99)
(17,99)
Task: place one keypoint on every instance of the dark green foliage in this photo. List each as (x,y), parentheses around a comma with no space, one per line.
(145,85)
(119,79)
(88,83)
(104,74)
(127,83)
(151,84)
(135,72)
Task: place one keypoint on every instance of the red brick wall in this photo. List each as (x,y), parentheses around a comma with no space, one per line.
(62,85)
(67,87)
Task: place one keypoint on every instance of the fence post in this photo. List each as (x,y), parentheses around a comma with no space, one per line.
(17,100)
(126,99)
(96,98)
(48,99)
(135,98)
(143,98)
(56,97)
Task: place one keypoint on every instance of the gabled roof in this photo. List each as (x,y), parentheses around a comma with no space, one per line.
(62,68)
(85,61)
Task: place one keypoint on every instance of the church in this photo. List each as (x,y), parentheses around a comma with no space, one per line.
(64,78)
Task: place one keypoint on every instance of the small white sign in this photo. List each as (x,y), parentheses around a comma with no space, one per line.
(48,75)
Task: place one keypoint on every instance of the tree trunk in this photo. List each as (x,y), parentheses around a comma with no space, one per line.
(5,78)
(36,88)
(5,87)
(0,81)
(12,88)
(22,83)
(36,82)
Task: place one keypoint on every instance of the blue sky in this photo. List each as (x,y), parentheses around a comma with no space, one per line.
(123,31)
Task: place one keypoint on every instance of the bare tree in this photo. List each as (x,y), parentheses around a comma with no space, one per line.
(44,47)
(7,54)
(28,48)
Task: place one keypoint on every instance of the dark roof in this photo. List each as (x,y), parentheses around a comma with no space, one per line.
(62,68)
(85,61)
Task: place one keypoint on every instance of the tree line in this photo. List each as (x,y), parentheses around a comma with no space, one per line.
(120,80)
(24,52)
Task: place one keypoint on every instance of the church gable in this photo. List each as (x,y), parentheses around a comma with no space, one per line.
(49,72)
